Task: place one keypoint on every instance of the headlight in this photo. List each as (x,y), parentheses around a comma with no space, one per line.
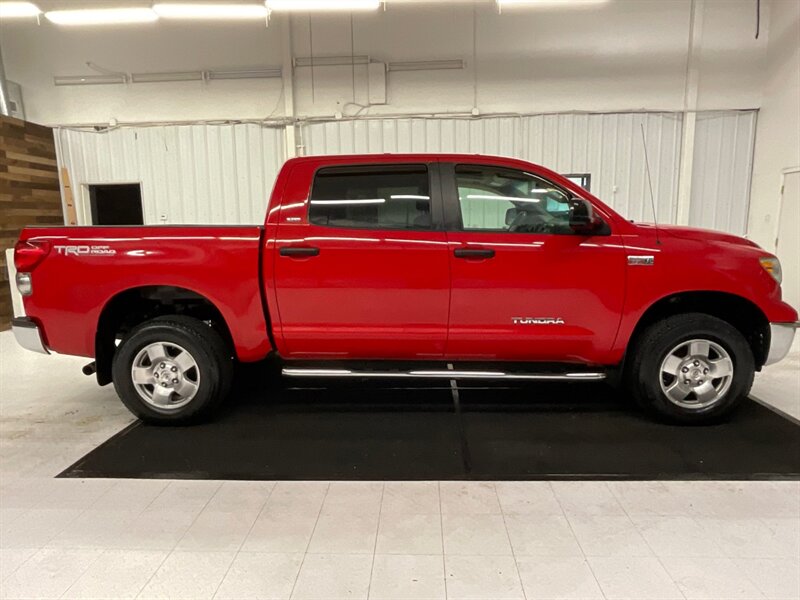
(772,266)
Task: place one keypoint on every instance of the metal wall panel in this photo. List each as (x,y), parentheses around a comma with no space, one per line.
(188,173)
(609,146)
(722,169)
(224,173)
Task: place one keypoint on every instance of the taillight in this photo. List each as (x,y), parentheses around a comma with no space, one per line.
(29,253)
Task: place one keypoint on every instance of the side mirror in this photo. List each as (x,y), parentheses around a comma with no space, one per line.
(582,219)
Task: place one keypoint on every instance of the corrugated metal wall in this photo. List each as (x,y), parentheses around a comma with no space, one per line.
(722,169)
(224,173)
(609,146)
(188,173)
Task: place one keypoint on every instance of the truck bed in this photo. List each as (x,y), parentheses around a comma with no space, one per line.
(87,267)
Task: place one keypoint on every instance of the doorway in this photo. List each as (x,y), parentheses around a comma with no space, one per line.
(788,243)
(116,204)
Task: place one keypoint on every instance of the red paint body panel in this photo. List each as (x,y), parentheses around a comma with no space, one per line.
(580,280)
(371,293)
(220,263)
(696,260)
(380,294)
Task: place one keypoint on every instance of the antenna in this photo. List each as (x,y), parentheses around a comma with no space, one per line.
(650,185)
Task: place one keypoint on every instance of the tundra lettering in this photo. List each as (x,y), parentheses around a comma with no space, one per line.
(537,320)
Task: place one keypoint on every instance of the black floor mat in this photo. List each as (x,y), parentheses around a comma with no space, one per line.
(367,431)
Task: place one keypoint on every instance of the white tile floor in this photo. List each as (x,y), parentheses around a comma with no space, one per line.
(66,538)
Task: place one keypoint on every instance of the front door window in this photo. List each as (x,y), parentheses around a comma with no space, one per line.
(509,201)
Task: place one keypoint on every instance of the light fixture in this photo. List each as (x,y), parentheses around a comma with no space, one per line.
(263,73)
(548,3)
(330,61)
(13,10)
(88,79)
(210,11)
(425,65)
(101,16)
(313,5)
(167,76)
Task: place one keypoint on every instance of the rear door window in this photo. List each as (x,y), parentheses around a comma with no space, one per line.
(372,197)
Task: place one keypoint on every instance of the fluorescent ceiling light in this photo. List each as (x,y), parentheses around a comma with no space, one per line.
(101,16)
(12,10)
(307,5)
(88,79)
(425,65)
(330,61)
(210,11)
(264,73)
(169,76)
(549,3)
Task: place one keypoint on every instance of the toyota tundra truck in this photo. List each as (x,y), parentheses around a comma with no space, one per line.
(410,266)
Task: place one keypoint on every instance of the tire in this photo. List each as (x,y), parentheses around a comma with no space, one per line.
(673,364)
(191,374)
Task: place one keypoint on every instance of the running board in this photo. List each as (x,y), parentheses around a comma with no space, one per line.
(445,374)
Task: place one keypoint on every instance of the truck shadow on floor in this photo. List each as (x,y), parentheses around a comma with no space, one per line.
(402,430)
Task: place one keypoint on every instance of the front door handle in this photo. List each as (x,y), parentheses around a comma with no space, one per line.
(301,251)
(473,253)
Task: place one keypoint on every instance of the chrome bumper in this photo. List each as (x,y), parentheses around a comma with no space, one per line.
(28,334)
(780,341)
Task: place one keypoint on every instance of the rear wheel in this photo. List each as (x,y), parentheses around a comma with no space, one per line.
(172,369)
(691,368)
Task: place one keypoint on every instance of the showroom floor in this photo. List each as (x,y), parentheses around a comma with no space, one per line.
(104,538)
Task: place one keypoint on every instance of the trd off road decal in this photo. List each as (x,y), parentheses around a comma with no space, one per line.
(85,250)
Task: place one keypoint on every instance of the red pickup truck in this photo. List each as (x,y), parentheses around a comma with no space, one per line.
(423,266)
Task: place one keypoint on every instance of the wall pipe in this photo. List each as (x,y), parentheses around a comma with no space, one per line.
(4,100)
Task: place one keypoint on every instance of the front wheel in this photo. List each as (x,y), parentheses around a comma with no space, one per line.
(172,369)
(691,368)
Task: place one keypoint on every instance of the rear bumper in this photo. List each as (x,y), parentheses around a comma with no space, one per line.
(28,334)
(781,338)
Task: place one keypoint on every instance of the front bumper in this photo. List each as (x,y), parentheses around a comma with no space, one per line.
(28,334)
(780,341)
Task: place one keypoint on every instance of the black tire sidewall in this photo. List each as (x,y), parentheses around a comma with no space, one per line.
(662,338)
(194,338)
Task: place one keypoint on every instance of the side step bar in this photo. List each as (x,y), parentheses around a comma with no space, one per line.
(444,374)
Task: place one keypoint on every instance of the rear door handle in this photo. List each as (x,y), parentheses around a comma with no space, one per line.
(473,253)
(302,251)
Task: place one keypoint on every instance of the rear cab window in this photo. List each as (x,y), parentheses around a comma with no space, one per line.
(372,197)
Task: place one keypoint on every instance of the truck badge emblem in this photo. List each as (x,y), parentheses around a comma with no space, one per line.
(85,250)
(642,260)
(537,320)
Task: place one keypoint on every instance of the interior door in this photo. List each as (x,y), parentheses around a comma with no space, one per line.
(788,244)
(116,204)
(524,286)
(362,272)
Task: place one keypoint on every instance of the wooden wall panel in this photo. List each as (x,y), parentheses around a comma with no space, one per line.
(29,190)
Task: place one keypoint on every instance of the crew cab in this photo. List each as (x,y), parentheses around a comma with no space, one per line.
(425,266)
